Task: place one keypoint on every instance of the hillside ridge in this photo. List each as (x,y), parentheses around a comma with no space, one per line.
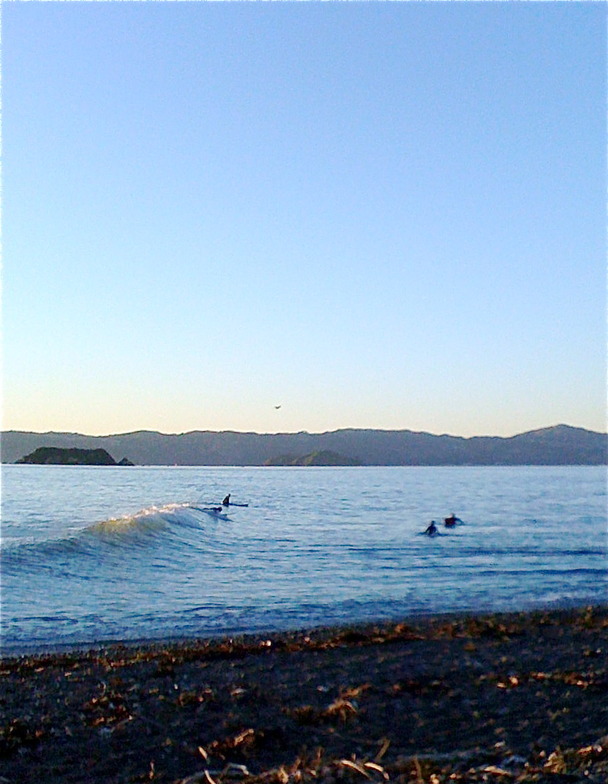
(554,445)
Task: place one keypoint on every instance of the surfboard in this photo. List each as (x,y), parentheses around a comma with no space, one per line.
(212,512)
(226,505)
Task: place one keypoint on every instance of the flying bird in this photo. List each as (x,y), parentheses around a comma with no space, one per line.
(277,407)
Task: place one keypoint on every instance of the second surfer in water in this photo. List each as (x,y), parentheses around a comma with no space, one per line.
(451,521)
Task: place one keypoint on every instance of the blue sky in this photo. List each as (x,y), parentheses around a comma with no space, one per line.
(386,215)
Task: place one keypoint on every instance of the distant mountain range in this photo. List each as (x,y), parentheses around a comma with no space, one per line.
(558,445)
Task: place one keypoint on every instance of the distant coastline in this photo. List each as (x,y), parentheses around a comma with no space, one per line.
(557,445)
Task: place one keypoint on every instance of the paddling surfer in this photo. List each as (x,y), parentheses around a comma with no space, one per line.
(451,521)
(432,529)
(228,502)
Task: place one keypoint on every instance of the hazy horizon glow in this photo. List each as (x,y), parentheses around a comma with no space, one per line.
(373,215)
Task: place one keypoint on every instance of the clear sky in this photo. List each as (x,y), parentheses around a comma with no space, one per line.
(384,215)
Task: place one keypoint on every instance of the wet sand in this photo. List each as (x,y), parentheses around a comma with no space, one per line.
(519,697)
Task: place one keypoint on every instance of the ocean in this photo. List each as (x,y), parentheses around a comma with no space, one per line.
(93,555)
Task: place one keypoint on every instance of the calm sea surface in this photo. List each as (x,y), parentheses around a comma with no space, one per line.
(99,554)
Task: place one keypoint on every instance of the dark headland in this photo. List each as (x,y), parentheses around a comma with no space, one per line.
(52,455)
(500,698)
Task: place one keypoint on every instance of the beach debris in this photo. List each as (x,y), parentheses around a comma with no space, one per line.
(197,778)
(418,767)
(373,766)
(355,766)
(496,771)
(241,742)
(385,745)
(234,770)
(510,683)
(419,686)
(343,709)
(108,708)
(194,697)
(513,762)
(19,733)
(354,692)
(340,709)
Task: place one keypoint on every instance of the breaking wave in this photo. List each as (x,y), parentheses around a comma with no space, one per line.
(172,526)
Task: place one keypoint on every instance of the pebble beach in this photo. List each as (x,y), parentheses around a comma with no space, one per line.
(451,698)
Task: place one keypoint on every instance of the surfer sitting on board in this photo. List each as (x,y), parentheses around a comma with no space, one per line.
(451,521)
(432,529)
(226,501)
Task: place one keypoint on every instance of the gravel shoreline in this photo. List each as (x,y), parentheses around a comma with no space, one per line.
(503,697)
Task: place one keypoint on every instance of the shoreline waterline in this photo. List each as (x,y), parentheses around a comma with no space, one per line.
(251,641)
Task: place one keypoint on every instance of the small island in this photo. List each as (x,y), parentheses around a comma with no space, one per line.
(53,455)
(318,458)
